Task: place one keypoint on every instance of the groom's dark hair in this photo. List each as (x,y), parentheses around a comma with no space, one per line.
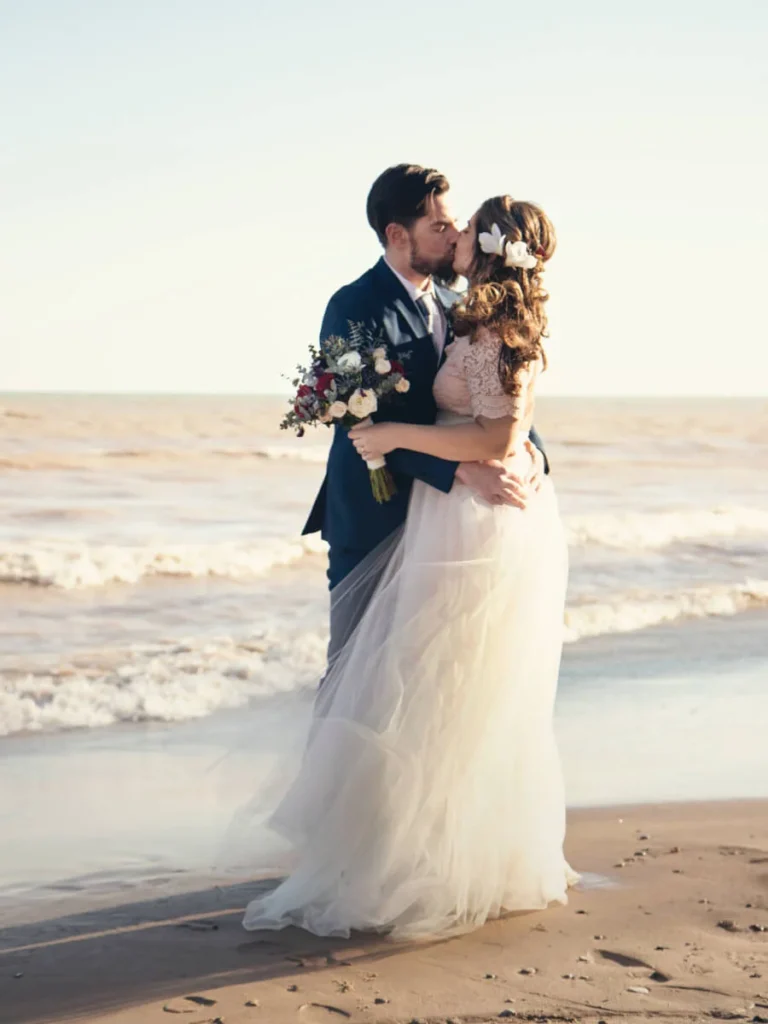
(401,195)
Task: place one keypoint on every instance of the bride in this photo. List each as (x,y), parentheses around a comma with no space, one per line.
(430,798)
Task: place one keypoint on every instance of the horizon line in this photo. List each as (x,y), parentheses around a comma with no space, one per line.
(29,392)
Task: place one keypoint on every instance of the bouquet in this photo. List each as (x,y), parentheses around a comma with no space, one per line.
(345,383)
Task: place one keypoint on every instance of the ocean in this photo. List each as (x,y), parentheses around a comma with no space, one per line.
(151,564)
(156,597)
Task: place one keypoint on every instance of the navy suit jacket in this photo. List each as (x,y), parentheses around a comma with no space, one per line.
(345,511)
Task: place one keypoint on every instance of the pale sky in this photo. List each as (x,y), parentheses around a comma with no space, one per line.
(183,184)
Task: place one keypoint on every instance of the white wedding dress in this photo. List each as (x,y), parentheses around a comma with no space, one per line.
(429,797)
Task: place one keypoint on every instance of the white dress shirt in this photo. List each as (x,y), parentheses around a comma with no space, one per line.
(437,323)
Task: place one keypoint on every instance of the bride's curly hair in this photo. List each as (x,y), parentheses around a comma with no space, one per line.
(510,301)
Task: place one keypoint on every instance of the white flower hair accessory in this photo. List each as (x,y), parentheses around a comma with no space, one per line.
(516,254)
(493,243)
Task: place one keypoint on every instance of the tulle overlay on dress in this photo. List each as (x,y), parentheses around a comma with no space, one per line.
(429,797)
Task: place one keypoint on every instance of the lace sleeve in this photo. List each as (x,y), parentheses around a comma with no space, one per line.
(487,397)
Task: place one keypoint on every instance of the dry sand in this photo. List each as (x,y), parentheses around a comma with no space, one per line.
(673,935)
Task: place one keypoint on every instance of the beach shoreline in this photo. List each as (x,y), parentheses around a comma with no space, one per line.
(677,932)
(671,714)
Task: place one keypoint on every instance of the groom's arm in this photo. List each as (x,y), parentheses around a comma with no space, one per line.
(538,443)
(438,473)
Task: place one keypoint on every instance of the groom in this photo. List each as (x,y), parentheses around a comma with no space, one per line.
(402,297)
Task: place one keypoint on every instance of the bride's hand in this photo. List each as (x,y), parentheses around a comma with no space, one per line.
(373,440)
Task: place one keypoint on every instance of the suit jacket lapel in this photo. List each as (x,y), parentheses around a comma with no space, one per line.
(408,313)
(402,321)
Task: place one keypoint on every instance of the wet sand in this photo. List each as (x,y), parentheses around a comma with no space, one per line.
(667,926)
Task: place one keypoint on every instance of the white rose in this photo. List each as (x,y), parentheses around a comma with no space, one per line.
(382,367)
(403,386)
(379,353)
(362,403)
(350,361)
(337,410)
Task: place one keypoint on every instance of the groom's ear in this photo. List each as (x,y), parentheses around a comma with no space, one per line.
(396,235)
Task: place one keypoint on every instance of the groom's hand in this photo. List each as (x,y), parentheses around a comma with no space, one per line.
(496,482)
(536,471)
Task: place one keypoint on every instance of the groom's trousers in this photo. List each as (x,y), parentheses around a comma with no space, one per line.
(347,611)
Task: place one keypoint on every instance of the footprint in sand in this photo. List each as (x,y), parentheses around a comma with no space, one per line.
(322,1013)
(312,959)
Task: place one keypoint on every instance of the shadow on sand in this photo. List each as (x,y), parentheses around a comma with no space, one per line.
(109,959)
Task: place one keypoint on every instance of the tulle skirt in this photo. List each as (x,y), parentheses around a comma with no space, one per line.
(429,795)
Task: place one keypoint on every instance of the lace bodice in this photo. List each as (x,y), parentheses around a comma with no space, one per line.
(468,384)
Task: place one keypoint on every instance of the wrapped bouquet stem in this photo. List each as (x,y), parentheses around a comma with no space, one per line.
(382,483)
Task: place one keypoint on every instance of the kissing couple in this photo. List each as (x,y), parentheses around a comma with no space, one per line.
(430,797)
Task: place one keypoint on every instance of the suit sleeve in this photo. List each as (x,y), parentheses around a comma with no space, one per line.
(336,319)
(438,473)
(540,445)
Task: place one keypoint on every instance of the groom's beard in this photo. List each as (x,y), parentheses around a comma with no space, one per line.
(442,270)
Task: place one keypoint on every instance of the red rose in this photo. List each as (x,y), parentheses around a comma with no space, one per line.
(303,391)
(324,384)
(397,367)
